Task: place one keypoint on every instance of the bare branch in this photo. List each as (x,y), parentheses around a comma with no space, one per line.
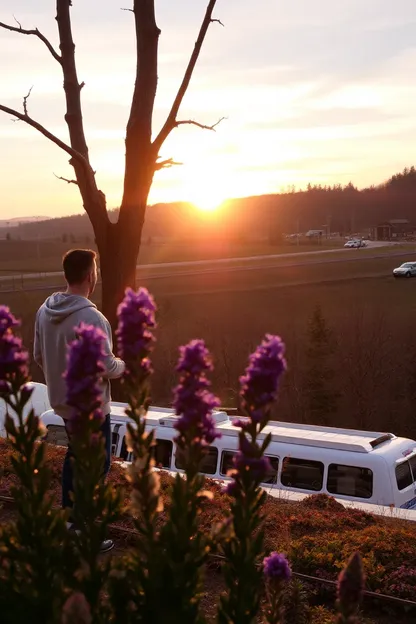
(171,119)
(35,32)
(191,122)
(166,164)
(31,122)
(130,10)
(217,21)
(66,179)
(25,99)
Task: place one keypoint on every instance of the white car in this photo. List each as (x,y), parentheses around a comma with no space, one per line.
(355,244)
(407,269)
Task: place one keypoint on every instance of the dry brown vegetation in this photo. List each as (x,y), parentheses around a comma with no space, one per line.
(318,534)
(374,352)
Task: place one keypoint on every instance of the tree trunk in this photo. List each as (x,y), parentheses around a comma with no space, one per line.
(118,250)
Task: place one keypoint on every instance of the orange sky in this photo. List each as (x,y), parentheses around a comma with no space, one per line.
(313,91)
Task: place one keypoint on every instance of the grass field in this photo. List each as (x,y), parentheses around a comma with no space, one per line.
(369,314)
(35,256)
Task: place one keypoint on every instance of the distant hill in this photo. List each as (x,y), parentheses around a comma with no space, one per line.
(180,220)
(343,209)
(16,221)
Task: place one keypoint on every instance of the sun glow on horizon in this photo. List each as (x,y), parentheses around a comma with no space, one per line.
(208,192)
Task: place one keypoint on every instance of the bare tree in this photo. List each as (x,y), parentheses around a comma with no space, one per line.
(118,243)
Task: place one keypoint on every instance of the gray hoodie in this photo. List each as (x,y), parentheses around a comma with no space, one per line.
(54,330)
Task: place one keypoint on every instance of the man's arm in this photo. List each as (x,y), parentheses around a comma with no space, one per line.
(37,348)
(114,366)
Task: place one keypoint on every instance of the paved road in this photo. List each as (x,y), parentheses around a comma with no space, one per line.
(238,263)
(207,281)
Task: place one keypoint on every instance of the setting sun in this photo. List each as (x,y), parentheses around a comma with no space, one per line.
(208,202)
(207,192)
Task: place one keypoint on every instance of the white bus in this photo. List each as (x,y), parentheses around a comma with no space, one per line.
(360,466)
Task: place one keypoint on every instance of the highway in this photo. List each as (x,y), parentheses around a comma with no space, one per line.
(236,263)
(239,274)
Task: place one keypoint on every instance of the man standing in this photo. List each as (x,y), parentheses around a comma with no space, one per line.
(54,330)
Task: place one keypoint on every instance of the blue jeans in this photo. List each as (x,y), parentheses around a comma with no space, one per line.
(67,476)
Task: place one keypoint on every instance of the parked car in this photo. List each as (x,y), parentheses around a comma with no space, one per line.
(407,269)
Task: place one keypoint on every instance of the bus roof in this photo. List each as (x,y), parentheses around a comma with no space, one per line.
(288,433)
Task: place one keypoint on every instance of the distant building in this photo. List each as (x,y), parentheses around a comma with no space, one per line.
(315,233)
(394,228)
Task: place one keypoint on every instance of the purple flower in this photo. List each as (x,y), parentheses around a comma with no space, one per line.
(194,358)
(136,317)
(193,400)
(84,371)
(232,488)
(13,357)
(256,467)
(276,567)
(260,383)
(7,320)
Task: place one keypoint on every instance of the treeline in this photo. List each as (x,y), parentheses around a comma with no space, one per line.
(343,209)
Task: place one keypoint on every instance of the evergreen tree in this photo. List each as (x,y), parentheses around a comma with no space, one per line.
(322,396)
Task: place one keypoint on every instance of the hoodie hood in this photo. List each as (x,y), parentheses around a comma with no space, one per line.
(60,305)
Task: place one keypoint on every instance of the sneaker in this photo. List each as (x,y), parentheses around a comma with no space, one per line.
(106,545)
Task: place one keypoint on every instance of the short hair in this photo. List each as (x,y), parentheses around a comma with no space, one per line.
(77,264)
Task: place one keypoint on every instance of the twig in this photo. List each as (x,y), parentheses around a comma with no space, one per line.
(164,164)
(17,22)
(191,122)
(217,21)
(35,32)
(130,10)
(66,179)
(25,99)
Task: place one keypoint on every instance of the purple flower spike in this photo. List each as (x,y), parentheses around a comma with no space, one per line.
(260,383)
(84,371)
(194,358)
(13,357)
(256,467)
(193,400)
(276,567)
(136,317)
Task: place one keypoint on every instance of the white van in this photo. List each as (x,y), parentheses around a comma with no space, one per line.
(360,466)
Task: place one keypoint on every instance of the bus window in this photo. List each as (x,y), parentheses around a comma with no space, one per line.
(272,474)
(304,474)
(227,461)
(114,442)
(124,453)
(403,475)
(208,464)
(162,453)
(350,481)
(412,462)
